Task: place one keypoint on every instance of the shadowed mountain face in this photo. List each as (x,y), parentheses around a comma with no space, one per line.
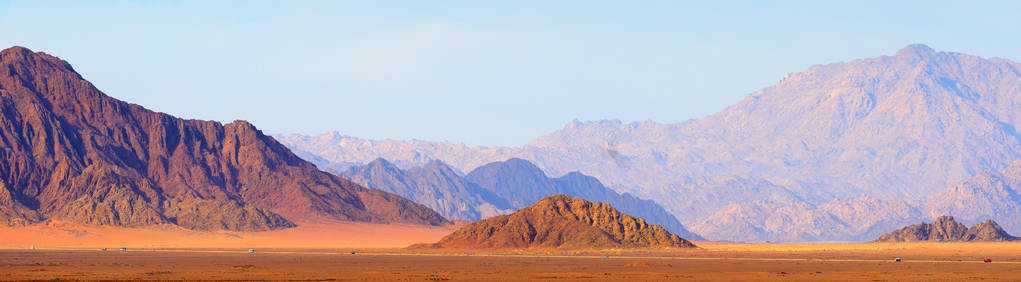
(519,181)
(896,129)
(498,188)
(435,185)
(70,152)
(946,229)
(561,222)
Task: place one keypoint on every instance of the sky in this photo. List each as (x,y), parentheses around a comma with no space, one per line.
(491,73)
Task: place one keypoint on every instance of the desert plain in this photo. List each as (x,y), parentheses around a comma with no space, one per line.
(363,251)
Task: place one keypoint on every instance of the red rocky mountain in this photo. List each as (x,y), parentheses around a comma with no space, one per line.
(70,152)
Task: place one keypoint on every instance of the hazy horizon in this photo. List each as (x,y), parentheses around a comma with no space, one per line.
(491,74)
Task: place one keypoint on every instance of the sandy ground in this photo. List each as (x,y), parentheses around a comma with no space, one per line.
(306,235)
(734,262)
(724,265)
(324,252)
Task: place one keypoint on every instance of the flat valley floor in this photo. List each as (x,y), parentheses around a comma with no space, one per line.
(712,261)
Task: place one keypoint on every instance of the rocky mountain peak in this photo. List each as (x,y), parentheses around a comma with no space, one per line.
(915,50)
(76,154)
(516,180)
(438,168)
(21,57)
(380,163)
(577,175)
(16,53)
(988,230)
(518,163)
(438,165)
(946,229)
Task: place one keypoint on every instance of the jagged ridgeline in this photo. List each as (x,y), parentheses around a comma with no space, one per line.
(838,152)
(499,188)
(561,222)
(946,229)
(70,152)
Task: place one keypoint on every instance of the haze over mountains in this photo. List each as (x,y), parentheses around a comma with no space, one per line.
(435,185)
(69,152)
(988,195)
(843,151)
(499,188)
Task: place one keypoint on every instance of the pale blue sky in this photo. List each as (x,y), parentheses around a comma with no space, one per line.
(481,72)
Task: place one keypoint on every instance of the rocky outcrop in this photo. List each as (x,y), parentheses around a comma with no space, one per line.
(987,231)
(579,185)
(70,152)
(946,229)
(561,222)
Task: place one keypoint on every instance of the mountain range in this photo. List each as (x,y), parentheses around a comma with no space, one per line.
(499,188)
(70,152)
(434,185)
(842,151)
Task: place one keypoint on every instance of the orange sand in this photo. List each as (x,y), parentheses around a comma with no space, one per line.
(306,235)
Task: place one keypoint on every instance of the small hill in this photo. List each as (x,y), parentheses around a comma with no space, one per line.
(946,229)
(561,222)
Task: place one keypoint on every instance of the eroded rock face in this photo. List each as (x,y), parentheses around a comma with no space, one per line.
(562,222)
(946,229)
(988,231)
(69,152)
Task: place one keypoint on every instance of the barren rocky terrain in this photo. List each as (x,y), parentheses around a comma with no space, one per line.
(946,229)
(69,152)
(500,188)
(841,151)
